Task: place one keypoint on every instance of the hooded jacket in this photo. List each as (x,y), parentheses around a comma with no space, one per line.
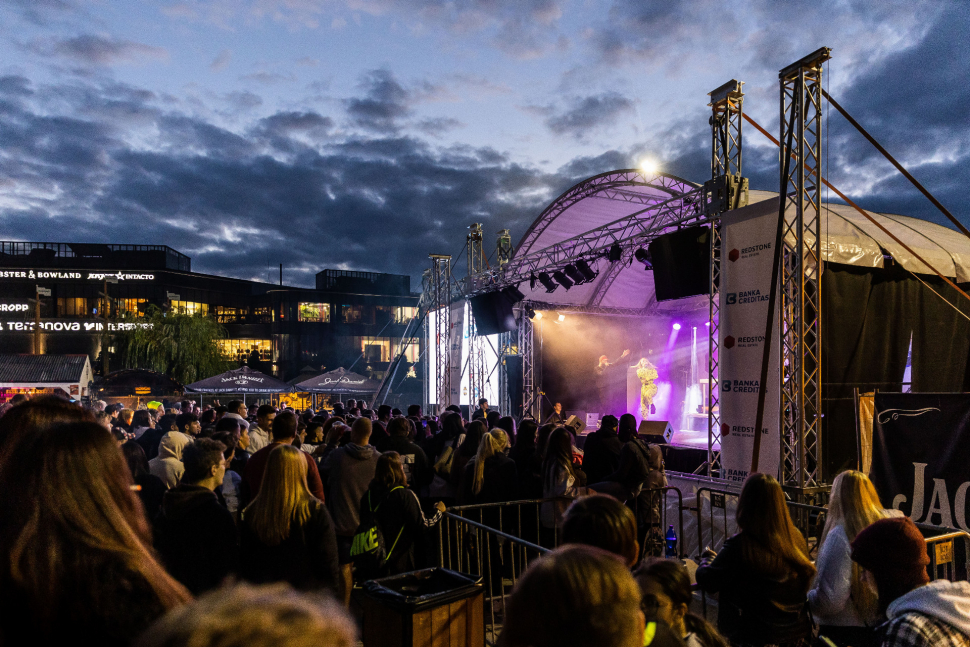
(349,469)
(601,454)
(937,614)
(196,537)
(168,464)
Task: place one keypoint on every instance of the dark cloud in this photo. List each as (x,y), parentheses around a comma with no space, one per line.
(41,12)
(90,49)
(585,114)
(384,104)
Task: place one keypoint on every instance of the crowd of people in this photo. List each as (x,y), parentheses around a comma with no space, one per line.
(232,525)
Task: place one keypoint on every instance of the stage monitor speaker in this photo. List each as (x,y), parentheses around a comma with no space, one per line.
(656,432)
(681,263)
(493,313)
(575,424)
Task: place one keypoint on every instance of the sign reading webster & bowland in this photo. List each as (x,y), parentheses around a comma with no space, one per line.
(921,455)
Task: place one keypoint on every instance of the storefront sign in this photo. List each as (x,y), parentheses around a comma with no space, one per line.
(747,238)
(98,275)
(14,307)
(920,444)
(71,326)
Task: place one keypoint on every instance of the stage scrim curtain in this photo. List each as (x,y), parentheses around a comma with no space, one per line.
(941,339)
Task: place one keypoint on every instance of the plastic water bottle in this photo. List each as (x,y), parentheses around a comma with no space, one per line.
(671,541)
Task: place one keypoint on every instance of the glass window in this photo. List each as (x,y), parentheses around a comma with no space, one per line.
(394,314)
(241,349)
(225,314)
(351,314)
(132,307)
(318,312)
(71,307)
(189,308)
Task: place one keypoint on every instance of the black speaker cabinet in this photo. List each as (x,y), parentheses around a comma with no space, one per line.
(575,424)
(656,432)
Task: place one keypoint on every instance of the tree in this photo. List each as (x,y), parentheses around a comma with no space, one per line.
(178,345)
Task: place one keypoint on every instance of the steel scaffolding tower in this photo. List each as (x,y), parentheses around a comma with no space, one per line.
(477,371)
(439,286)
(800,289)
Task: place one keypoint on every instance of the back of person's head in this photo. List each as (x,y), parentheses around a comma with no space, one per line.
(507,424)
(559,452)
(265,410)
(390,471)
(271,615)
(853,503)
(628,427)
(454,408)
(492,417)
(771,544)
(493,443)
(284,497)
(452,425)
(396,412)
(125,415)
(361,430)
(609,422)
(142,418)
(526,436)
(542,438)
(284,426)
(74,517)
(18,398)
(31,416)
(183,420)
(228,424)
(666,588)
(574,596)
(167,422)
(200,457)
(398,427)
(222,410)
(473,437)
(602,521)
(135,458)
(414,411)
(384,411)
(894,551)
(228,440)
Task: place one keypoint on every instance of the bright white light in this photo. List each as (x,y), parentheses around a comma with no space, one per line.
(707,323)
(676,326)
(537,317)
(562,318)
(648,166)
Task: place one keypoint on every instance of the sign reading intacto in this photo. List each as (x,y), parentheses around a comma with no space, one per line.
(99,275)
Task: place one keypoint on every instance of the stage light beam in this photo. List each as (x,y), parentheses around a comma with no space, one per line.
(561,318)
(676,326)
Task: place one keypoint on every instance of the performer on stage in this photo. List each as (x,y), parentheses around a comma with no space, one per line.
(610,392)
(647,373)
(555,417)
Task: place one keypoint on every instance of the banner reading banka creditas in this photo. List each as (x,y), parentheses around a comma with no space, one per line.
(747,239)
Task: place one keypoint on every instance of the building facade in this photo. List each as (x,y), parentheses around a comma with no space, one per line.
(87,292)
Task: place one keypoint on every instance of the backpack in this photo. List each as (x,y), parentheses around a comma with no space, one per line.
(368,552)
(442,466)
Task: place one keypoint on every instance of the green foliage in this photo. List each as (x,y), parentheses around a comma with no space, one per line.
(178,345)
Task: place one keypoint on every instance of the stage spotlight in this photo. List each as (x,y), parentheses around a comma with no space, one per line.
(676,326)
(642,255)
(538,315)
(562,279)
(547,282)
(614,253)
(561,318)
(588,273)
(574,274)
(707,323)
(529,312)
(513,294)
(532,282)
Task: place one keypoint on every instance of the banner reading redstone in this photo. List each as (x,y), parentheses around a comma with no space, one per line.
(747,238)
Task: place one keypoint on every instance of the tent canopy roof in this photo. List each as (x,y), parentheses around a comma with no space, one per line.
(597,202)
(240,380)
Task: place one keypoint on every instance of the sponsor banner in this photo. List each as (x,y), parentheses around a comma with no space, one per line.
(920,445)
(747,238)
(455,339)
(95,275)
(71,326)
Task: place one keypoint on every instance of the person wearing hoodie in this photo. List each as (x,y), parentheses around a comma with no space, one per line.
(168,464)
(919,612)
(601,454)
(194,534)
(349,469)
(416,466)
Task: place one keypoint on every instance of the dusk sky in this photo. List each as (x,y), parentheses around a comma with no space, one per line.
(365,134)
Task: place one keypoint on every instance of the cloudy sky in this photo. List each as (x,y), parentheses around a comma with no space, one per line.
(365,134)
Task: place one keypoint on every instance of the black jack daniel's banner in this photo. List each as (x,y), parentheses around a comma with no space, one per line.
(921,455)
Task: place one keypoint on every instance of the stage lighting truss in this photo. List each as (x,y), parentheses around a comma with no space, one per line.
(530,312)
(562,279)
(547,282)
(614,253)
(643,256)
(588,273)
(574,274)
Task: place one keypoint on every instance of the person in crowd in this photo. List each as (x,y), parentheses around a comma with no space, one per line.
(452,428)
(168,464)
(124,419)
(104,419)
(380,425)
(918,612)
(207,419)
(762,573)
(556,418)
(844,605)
(601,453)
(574,596)
(482,411)
(492,418)
(77,565)
(416,466)
(313,437)
(232,481)
(542,440)
(398,513)
(466,451)
(284,433)
(151,489)
(260,434)
(638,478)
(240,455)
(527,465)
(627,429)
(507,424)
(194,534)
(414,411)
(602,521)
(560,478)
(350,470)
(665,585)
(286,532)
(235,409)
(491,476)
(144,431)
(270,615)
(188,424)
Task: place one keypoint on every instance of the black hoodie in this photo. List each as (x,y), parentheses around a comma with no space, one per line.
(196,537)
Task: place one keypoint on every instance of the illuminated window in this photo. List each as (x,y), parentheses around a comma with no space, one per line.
(72,307)
(225,314)
(241,349)
(189,308)
(384,349)
(394,314)
(317,312)
(131,306)
(350,314)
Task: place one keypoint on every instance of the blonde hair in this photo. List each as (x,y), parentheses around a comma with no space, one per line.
(283,499)
(854,505)
(493,443)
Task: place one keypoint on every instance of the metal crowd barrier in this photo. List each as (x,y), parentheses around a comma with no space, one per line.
(946,551)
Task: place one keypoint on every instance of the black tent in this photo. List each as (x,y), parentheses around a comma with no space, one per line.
(244,381)
(339,381)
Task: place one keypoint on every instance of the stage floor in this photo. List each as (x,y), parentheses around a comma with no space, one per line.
(693,439)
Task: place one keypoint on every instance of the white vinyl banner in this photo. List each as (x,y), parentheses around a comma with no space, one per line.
(747,239)
(456,338)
